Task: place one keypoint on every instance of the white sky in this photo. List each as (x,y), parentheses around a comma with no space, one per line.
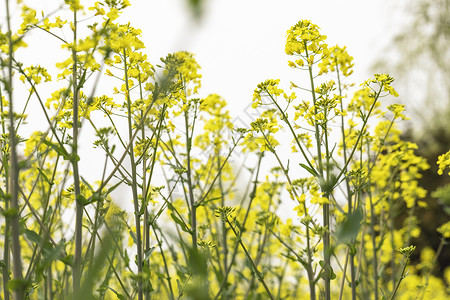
(239,43)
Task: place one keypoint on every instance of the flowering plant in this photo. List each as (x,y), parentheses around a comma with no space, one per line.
(197,226)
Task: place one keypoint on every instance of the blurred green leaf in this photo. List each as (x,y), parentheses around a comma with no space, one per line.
(349,228)
(313,172)
(180,222)
(196,7)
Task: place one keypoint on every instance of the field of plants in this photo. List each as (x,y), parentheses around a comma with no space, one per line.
(315,198)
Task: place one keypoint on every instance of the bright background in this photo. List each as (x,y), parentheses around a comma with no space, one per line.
(240,43)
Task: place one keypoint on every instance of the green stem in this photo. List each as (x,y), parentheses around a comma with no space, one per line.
(137,214)
(402,276)
(19,290)
(377,95)
(326,209)
(224,228)
(6,245)
(297,141)
(341,290)
(309,269)
(76,176)
(189,180)
(373,234)
(347,183)
(166,268)
(247,212)
(255,269)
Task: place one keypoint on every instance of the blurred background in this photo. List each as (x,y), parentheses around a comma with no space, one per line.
(239,43)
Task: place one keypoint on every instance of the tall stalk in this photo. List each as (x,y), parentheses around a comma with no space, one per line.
(347,183)
(19,289)
(193,207)
(309,265)
(6,245)
(137,214)
(146,232)
(6,256)
(76,177)
(326,206)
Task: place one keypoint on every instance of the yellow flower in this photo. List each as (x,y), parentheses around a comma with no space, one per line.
(113,14)
(74,4)
(444,229)
(304,37)
(443,162)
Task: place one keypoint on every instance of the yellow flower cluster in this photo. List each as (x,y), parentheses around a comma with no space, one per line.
(362,101)
(58,23)
(125,37)
(443,162)
(396,173)
(268,87)
(217,120)
(35,74)
(326,106)
(266,126)
(384,82)
(304,40)
(29,19)
(74,5)
(336,57)
(444,229)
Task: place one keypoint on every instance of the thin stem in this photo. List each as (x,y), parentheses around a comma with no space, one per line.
(189,180)
(166,268)
(76,176)
(347,183)
(137,214)
(247,212)
(402,276)
(341,290)
(297,141)
(373,235)
(326,208)
(377,95)
(309,269)
(6,246)
(224,228)
(255,269)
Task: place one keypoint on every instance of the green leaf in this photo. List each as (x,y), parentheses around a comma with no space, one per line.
(114,187)
(18,284)
(45,176)
(133,236)
(32,236)
(312,171)
(180,222)
(149,253)
(59,149)
(53,253)
(68,260)
(328,272)
(180,288)
(349,228)
(82,200)
(10,213)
